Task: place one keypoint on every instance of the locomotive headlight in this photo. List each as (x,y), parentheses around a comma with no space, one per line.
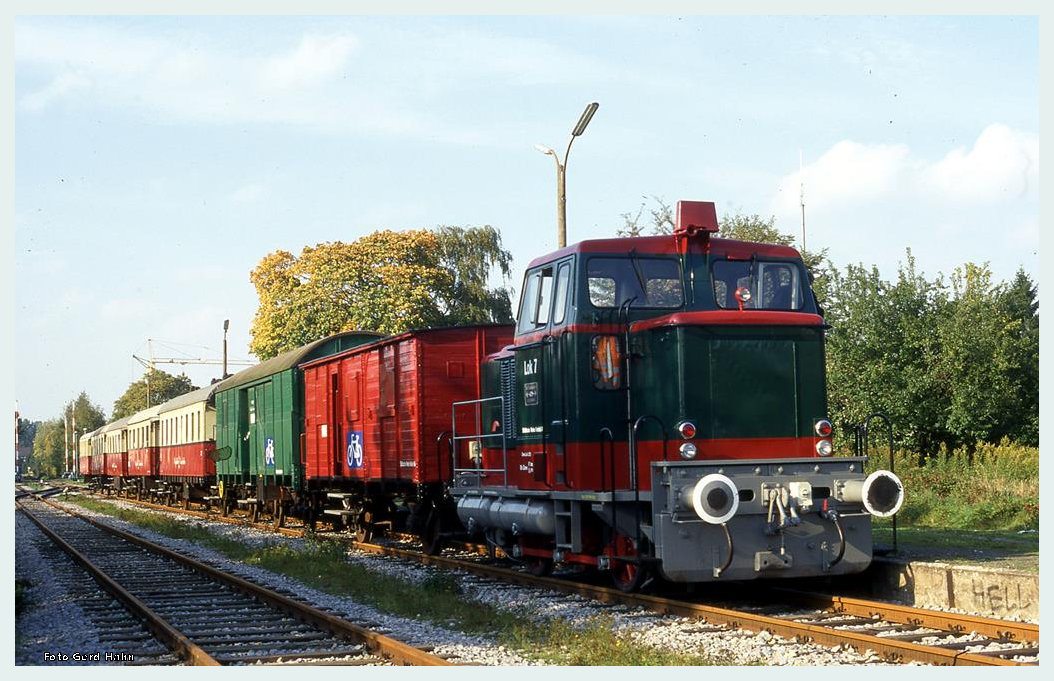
(824,428)
(824,448)
(686,429)
(688,450)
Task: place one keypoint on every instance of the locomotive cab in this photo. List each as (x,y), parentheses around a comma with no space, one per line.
(663,409)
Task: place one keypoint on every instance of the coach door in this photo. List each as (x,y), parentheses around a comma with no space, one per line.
(542,404)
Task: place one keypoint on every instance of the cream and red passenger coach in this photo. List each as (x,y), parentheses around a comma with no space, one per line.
(187,427)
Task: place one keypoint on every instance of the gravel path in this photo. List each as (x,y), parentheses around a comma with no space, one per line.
(672,633)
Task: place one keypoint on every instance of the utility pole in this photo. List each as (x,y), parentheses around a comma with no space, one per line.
(801,179)
(226,325)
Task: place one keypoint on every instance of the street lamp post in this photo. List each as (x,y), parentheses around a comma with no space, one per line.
(226,325)
(561,172)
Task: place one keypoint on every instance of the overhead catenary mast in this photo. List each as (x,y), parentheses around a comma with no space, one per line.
(151,360)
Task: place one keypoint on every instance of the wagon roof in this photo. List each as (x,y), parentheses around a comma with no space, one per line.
(187,399)
(386,340)
(290,359)
(91,434)
(145,414)
(116,425)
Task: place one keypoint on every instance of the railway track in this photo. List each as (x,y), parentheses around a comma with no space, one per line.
(201,615)
(896,632)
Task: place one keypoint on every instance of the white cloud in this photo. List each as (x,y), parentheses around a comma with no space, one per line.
(62,85)
(316,82)
(315,60)
(848,172)
(1003,163)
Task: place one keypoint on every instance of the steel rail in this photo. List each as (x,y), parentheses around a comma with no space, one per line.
(931,619)
(802,631)
(395,651)
(174,639)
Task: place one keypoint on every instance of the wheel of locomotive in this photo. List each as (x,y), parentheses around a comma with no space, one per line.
(627,574)
(538,566)
(431,533)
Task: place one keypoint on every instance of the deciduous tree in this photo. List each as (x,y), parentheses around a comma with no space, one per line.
(48,451)
(387,281)
(154,388)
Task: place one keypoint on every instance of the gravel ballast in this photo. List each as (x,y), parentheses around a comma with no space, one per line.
(671,633)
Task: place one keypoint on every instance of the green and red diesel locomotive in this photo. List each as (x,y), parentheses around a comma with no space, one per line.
(659,409)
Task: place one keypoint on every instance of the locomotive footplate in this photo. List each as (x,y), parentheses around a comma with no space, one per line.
(746,519)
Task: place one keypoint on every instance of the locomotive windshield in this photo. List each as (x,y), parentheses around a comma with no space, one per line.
(648,282)
(773,285)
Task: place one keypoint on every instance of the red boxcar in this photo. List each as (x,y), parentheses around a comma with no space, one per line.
(376,413)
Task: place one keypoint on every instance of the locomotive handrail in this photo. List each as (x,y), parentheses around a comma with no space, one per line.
(610,436)
(478,436)
(634,457)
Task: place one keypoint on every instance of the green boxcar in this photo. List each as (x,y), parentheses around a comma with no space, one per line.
(259,423)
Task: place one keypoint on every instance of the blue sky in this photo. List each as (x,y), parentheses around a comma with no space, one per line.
(157,159)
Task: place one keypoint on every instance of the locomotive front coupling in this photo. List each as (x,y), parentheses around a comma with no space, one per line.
(733,520)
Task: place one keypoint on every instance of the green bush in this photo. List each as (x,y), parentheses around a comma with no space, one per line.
(985,487)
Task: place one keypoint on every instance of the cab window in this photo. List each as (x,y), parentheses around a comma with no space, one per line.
(563,279)
(536,301)
(768,285)
(647,282)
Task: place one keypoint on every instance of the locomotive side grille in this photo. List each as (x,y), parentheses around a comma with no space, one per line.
(508,392)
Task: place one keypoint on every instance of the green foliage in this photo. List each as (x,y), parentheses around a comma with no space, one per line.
(949,365)
(27,431)
(387,281)
(83,415)
(154,388)
(983,487)
(48,457)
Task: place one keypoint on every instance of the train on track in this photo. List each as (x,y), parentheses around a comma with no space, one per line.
(659,409)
